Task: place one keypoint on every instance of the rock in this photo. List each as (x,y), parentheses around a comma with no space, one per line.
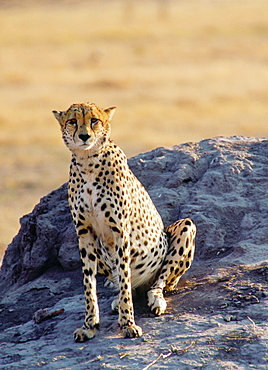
(220,183)
(218,315)
(46,239)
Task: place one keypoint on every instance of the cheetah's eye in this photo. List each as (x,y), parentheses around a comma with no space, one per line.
(93,121)
(72,121)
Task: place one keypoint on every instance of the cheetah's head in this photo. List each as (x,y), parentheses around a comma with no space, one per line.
(85,126)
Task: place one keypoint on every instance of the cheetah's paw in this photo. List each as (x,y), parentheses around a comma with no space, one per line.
(108,284)
(156,301)
(115,304)
(132,331)
(81,334)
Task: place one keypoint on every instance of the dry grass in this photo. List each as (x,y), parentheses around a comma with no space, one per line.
(201,71)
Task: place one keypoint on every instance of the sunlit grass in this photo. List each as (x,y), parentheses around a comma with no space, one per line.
(201,71)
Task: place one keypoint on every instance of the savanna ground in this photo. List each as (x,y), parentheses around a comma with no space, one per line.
(177,71)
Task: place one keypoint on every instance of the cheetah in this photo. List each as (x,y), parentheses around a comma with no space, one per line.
(121,234)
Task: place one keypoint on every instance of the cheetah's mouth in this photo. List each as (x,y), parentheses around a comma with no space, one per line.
(85,145)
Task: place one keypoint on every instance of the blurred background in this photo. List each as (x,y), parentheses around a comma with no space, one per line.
(177,70)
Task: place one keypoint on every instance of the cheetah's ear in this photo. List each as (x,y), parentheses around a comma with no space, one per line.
(57,114)
(110,112)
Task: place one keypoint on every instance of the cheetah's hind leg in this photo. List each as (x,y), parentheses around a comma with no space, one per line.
(178,259)
(181,250)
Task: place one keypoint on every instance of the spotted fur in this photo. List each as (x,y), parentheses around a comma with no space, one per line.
(120,232)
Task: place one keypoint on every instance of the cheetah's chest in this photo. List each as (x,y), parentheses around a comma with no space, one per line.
(86,208)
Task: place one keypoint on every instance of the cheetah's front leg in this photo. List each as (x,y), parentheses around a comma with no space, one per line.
(125,308)
(89,267)
(181,236)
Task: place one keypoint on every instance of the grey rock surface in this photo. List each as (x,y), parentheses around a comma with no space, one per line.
(217,319)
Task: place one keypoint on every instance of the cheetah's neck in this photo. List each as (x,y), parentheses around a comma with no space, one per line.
(89,162)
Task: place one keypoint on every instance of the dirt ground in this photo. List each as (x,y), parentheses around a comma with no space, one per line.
(216,322)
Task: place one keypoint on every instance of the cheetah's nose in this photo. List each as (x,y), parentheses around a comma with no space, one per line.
(84,137)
